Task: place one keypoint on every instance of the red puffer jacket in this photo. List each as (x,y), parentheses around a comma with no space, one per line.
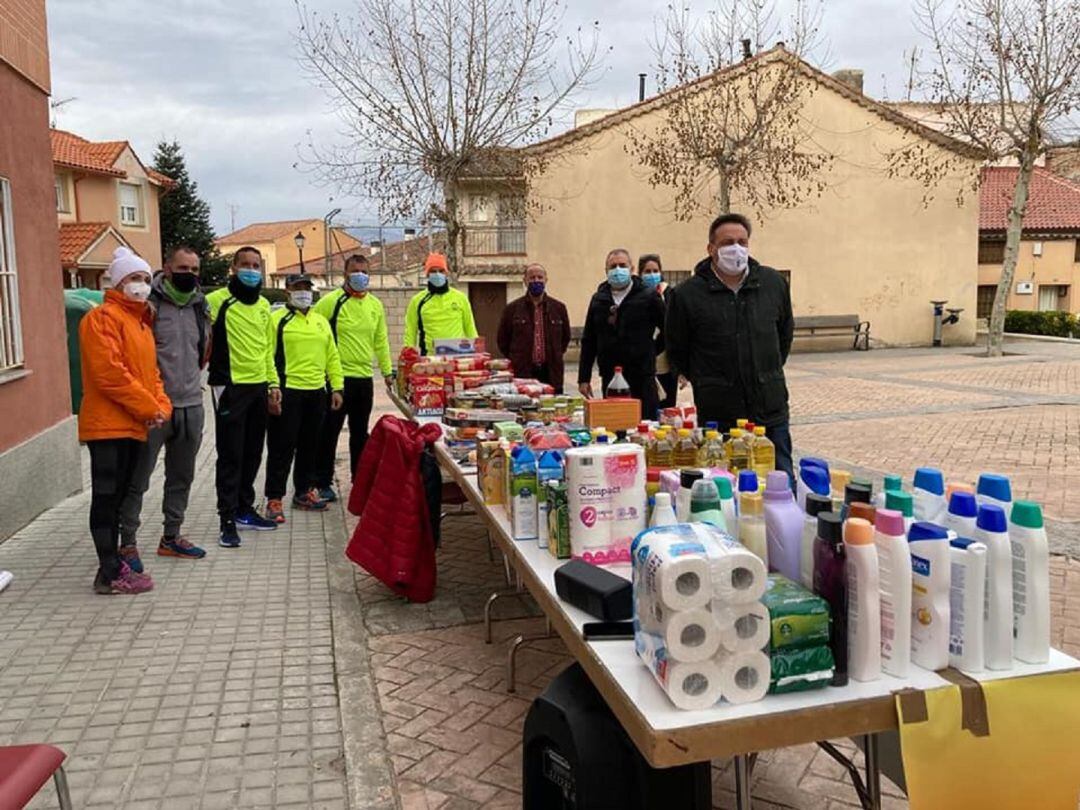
(393,540)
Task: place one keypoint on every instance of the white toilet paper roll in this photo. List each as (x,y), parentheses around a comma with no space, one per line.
(744,676)
(739,576)
(743,628)
(676,575)
(687,635)
(693,686)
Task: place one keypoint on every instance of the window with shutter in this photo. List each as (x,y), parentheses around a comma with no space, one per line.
(130,204)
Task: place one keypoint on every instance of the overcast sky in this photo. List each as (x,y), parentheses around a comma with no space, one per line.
(221,77)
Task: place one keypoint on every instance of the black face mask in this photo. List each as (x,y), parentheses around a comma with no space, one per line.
(184,282)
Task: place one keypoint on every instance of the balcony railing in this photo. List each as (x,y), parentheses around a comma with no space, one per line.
(495,240)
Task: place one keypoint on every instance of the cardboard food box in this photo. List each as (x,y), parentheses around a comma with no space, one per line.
(491,472)
(614,414)
(451,346)
(428,396)
(558,518)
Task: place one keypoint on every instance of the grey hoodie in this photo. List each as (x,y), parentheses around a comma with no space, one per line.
(177,334)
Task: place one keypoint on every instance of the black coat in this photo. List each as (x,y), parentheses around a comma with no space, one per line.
(732,347)
(629,341)
(516,332)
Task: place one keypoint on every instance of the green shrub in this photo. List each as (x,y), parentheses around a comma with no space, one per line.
(1026,322)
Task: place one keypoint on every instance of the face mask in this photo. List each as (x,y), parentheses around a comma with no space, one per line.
(731,260)
(652,280)
(301,299)
(536,288)
(136,291)
(183,282)
(619,276)
(249,278)
(359,281)
(437,279)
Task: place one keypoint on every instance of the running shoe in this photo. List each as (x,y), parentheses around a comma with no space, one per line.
(254,521)
(274,510)
(228,537)
(128,582)
(309,501)
(327,494)
(179,547)
(130,555)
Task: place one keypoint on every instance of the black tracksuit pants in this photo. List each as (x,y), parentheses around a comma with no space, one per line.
(112,463)
(295,433)
(240,429)
(359,396)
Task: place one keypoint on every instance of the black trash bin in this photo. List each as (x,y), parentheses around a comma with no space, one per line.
(576,756)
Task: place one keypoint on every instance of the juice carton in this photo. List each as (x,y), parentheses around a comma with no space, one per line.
(558,518)
(491,472)
(524,495)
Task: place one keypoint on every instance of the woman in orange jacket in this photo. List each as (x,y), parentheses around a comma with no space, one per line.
(122,398)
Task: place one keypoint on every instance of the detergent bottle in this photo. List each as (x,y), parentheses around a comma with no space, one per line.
(994,489)
(961,514)
(752,525)
(863,600)
(662,514)
(894,582)
(1031,583)
(903,503)
(783,526)
(992,530)
(705,504)
(967,595)
(929,547)
(893,483)
(687,478)
(815,505)
(728,506)
(830,583)
(811,479)
(929,494)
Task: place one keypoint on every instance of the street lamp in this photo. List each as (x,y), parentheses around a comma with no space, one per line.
(299,240)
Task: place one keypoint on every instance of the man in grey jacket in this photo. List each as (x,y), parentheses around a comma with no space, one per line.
(182,333)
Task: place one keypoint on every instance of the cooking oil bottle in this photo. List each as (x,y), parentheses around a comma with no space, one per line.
(713,454)
(735,450)
(763,460)
(685,450)
(662,451)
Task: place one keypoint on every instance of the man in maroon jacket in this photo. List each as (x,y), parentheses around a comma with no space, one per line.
(535,331)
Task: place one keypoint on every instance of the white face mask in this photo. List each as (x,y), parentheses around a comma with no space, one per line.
(301,299)
(732,260)
(136,291)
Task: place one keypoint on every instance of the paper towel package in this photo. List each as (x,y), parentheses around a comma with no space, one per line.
(606,494)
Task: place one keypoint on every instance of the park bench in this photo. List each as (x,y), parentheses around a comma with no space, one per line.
(815,326)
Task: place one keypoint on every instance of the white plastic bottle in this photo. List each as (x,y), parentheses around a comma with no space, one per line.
(961,514)
(903,503)
(993,532)
(815,505)
(662,513)
(894,582)
(929,547)
(1031,583)
(863,601)
(728,507)
(892,483)
(929,494)
(752,525)
(682,497)
(967,595)
(994,489)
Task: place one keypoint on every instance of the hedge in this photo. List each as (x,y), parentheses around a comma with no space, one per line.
(1026,322)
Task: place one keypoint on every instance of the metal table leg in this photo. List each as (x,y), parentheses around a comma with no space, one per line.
(743,800)
(873,774)
(511,654)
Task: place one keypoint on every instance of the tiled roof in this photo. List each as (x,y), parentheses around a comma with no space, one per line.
(262,231)
(317,265)
(161,179)
(1053,201)
(74,152)
(408,254)
(76,238)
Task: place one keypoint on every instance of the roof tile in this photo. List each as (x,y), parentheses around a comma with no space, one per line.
(70,150)
(76,238)
(263,231)
(1053,201)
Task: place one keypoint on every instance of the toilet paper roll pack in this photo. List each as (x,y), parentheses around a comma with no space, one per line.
(687,635)
(606,494)
(744,676)
(689,685)
(672,570)
(739,575)
(742,628)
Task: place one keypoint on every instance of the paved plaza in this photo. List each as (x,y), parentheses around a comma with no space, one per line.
(280,675)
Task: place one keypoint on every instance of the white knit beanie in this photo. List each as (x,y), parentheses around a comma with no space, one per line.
(124,263)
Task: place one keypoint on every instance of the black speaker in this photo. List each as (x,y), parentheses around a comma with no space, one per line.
(576,756)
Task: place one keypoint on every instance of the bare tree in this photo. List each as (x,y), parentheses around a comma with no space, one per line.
(433,91)
(740,131)
(1005,77)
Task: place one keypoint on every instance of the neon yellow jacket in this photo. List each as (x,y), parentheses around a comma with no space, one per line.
(447,315)
(242,346)
(361,331)
(307,355)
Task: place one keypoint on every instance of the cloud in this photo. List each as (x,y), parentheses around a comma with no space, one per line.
(222,78)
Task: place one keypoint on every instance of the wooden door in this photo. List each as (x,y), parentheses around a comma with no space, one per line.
(488,299)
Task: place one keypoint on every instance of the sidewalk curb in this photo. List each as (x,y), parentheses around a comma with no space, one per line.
(369,776)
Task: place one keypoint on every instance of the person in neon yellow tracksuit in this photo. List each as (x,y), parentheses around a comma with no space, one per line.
(439,312)
(358,321)
(243,382)
(306,357)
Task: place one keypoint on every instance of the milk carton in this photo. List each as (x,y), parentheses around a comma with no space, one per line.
(929,547)
(549,468)
(524,494)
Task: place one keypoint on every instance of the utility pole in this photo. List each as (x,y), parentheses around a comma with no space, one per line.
(232,216)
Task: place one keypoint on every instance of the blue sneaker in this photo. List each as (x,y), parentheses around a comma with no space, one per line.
(254,521)
(228,537)
(130,555)
(327,494)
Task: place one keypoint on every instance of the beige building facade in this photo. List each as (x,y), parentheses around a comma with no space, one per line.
(105,197)
(870,245)
(281,255)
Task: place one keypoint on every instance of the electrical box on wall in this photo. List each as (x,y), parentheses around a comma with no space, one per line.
(1025,288)
(1036,248)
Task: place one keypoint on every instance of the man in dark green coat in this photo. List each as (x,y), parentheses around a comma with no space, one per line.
(728,331)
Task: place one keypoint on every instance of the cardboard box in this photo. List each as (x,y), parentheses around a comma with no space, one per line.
(614,414)
(428,396)
(491,472)
(558,517)
(451,346)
